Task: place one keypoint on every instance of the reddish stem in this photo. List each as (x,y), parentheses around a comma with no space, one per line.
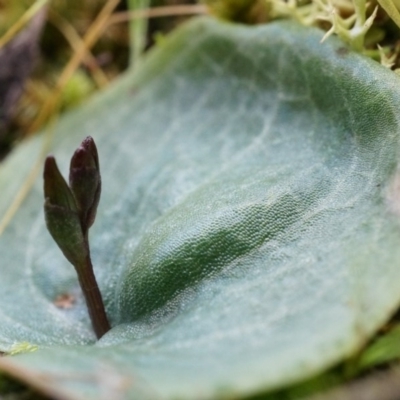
(91,292)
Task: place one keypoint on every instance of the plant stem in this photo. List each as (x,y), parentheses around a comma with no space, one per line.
(137,30)
(92,294)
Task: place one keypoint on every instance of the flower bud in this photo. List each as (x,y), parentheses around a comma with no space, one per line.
(56,189)
(85,181)
(61,214)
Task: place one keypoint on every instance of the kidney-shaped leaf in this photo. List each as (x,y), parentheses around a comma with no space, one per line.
(248,234)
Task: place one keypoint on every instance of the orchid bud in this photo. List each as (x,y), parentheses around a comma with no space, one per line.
(85,181)
(61,214)
(69,212)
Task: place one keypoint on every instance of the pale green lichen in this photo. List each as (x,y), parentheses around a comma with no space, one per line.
(387,60)
(347,19)
(352,29)
(22,347)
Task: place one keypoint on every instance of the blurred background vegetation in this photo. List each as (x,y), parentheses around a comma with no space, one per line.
(40,63)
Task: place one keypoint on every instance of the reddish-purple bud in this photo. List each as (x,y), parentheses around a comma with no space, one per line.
(85,181)
(61,214)
(56,189)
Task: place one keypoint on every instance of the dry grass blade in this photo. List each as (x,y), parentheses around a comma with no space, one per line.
(94,32)
(157,12)
(76,42)
(25,18)
(29,181)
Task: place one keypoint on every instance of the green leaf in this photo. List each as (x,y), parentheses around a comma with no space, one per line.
(248,233)
(383,350)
